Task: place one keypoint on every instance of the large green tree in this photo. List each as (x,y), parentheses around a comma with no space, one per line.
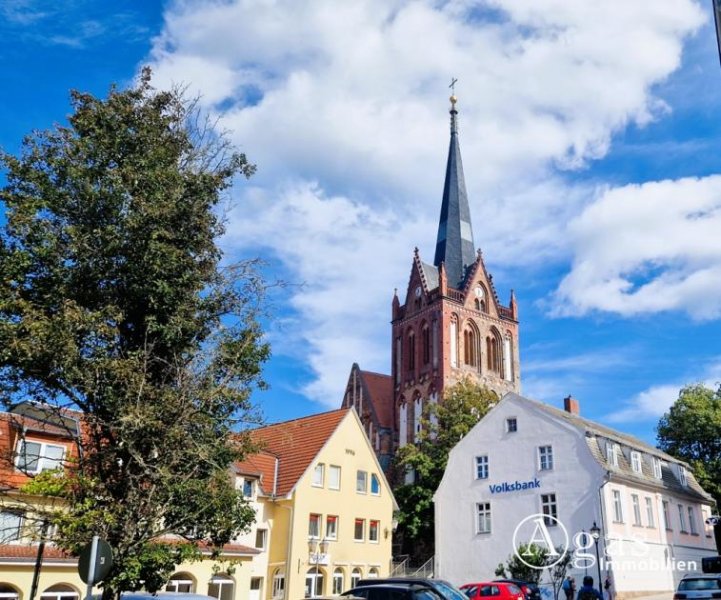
(443,425)
(114,303)
(691,431)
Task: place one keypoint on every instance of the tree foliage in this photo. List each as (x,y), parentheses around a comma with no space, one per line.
(691,431)
(530,569)
(443,425)
(114,304)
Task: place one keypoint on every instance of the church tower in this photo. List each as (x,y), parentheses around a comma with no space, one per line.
(451,324)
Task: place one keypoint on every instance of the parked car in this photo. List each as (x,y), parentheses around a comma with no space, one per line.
(446,590)
(394,591)
(698,587)
(499,590)
(530,590)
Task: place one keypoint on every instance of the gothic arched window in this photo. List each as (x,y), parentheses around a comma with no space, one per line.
(426,343)
(470,346)
(411,351)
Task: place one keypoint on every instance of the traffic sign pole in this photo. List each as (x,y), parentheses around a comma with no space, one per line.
(91,568)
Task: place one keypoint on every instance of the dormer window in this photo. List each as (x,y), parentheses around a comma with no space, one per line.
(657,468)
(612,452)
(35,457)
(636,461)
(247,488)
(682,476)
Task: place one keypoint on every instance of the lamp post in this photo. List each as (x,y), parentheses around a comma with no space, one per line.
(316,549)
(585,563)
(596,534)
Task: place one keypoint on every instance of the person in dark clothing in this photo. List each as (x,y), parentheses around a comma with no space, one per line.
(587,591)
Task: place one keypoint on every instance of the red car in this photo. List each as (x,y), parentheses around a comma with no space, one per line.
(492,589)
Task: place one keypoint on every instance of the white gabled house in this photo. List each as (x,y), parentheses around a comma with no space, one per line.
(527,458)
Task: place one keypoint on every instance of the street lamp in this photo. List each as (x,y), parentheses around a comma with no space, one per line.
(585,562)
(596,534)
(316,549)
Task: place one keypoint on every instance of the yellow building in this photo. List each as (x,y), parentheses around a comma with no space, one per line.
(328,505)
(323,514)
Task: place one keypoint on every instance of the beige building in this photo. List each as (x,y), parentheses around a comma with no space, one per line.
(326,502)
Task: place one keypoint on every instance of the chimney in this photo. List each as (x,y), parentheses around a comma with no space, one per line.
(570,405)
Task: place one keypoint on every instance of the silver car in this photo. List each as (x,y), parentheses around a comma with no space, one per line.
(699,587)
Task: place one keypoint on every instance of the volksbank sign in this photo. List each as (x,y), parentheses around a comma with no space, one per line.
(516,486)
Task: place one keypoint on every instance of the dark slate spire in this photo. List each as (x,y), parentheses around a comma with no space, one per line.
(454,245)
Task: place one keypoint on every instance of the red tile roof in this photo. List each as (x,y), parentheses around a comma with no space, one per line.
(296,443)
(261,465)
(29,552)
(380,388)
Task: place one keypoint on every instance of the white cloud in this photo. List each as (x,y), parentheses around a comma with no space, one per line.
(351,96)
(648,248)
(652,403)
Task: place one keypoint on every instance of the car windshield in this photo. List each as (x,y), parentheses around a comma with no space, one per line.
(699,584)
(449,592)
(469,590)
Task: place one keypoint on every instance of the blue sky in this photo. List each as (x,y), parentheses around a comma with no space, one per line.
(589,134)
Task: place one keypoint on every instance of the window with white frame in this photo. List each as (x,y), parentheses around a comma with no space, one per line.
(11,524)
(511,425)
(261,538)
(636,461)
(247,488)
(545,458)
(59,591)
(692,521)
(549,509)
(657,468)
(221,587)
(636,509)
(375,485)
(374,531)
(331,527)
(373,573)
(8,592)
(338,581)
(333,477)
(181,583)
(314,526)
(682,476)
(361,482)
(617,507)
(278,585)
(682,519)
(666,515)
(355,577)
(34,457)
(483,517)
(649,512)
(319,475)
(359,530)
(481,467)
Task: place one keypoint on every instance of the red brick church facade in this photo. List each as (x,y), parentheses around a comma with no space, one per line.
(449,325)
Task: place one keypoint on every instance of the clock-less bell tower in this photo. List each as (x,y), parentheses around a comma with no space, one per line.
(451,324)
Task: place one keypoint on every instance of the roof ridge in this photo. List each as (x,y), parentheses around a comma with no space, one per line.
(307,417)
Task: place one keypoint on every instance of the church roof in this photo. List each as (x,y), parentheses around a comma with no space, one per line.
(430,272)
(454,244)
(380,390)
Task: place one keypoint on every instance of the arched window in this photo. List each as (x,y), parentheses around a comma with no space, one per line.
(470,346)
(338,581)
(60,591)
(399,358)
(411,350)
(454,340)
(493,351)
(373,573)
(8,592)
(314,582)
(426,343)
(182,583)
(221,586)
(508,357)
(402,423)
(278,584)
(355,577)
(417,416)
